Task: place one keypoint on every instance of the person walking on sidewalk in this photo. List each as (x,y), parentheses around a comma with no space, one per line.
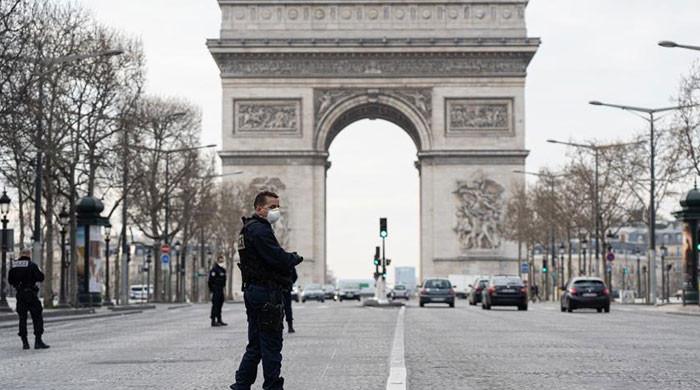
(23,276)
(288,302)
(217,284)
(266,273)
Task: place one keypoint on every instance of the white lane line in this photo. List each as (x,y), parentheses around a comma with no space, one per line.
(397,372)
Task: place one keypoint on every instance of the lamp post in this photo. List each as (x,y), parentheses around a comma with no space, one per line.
(562,249)
(4,210)
(107,232)
(148,274)
(639,274)
(596,148)
(584,247)
(671,44)
(178,292)
(651,112)
(63,219)
(664,281)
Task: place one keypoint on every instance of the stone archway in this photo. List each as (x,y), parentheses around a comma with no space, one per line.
(450,73)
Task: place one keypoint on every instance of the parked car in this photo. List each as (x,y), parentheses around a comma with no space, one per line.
(328,291)
(504,290)
(400,292)
(586,292)
(295,293)
(313,292)
(476,288)
(437,290)
(138,292)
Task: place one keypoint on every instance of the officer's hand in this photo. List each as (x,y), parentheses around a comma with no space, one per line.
(298,258)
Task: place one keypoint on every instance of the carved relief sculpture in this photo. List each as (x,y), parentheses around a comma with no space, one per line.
(479,214)
(479,116)
(279,116)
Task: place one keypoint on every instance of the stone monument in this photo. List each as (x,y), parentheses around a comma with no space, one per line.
(451,73)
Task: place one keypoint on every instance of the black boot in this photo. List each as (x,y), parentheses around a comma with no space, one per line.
(290,328)
(214,323)
(25,343)
(221,323)
(39,344)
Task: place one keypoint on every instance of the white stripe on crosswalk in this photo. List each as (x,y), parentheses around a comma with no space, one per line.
(397,372)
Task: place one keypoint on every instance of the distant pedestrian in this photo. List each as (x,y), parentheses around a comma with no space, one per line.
(266,272)
(23,276)
(287,295)
(217,285)
(535,293)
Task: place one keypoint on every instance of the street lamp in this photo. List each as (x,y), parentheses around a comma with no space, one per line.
(107,232)
(652,187)
(596,148)
(4,210)
(63,219)
(550,178)
(37,254)
(671,44)
(664,254)
(584,247)
(562,249)
(148,274)
(639,273)
(178,277)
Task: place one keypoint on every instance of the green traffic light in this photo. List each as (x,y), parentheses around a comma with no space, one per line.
(544,270)
(376,261)
(383,234)
(698,246)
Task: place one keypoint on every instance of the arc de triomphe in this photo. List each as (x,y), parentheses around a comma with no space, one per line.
(451,73)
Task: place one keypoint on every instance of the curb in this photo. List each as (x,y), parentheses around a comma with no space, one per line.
(130,308)
(49,313)
(74,318)
(179,306)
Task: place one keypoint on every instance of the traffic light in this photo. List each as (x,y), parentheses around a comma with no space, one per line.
(624,270)
(544,266)
(377,260)
(388,262)
(383,232)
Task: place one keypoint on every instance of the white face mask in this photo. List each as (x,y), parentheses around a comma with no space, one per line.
(273,215)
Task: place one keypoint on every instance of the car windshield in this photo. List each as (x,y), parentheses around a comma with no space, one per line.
(438,283)
(483,283)
(589,283)
(400,288)
(505,280)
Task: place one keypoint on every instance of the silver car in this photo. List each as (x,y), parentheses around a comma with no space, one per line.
(400,292)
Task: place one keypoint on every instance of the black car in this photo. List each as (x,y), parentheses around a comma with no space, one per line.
(476,288)
(504,291)
(437,291)
(586,292)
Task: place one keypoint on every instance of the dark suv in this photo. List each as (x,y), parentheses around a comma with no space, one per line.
(586,292)
(437,291)
(477,287)
(504,291)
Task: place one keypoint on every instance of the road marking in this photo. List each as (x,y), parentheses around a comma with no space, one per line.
(397,372)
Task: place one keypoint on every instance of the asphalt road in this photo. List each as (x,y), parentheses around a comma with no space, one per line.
(343,346)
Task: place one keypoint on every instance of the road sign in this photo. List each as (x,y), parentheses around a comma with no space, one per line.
(524,268)
(610,256)
(165,249)
(165,259)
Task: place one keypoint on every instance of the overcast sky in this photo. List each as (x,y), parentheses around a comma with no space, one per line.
(591,49)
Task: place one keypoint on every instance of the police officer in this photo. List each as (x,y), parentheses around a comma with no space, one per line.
(217,283)
(287,294)
(23,277)
(266,272)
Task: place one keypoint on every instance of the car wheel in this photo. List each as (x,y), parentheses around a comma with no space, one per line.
(303,300)
(599,310)
(563,309)
(607,309)
(452,304)
(323,300)
(522,308)
(422,304)
(569,309)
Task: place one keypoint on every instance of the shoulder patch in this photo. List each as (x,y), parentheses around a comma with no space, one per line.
(213,273)
(241,241)
(20,263)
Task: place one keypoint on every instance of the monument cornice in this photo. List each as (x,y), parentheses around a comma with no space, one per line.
(472,157)
(373,64)
(273,157)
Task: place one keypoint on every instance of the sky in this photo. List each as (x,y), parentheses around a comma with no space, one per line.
(591,50)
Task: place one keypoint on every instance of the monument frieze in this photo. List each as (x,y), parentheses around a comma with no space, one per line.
(267,117)
(477,117)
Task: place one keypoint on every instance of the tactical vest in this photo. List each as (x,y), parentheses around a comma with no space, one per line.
(253,270)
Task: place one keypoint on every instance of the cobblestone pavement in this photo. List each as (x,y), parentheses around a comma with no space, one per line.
(343,346)
(629,348)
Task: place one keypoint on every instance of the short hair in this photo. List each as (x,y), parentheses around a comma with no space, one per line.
(25,253)
(261,198)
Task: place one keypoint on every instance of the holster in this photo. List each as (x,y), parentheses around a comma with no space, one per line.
(272,314)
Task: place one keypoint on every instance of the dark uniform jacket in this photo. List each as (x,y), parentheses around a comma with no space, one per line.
(217,278)
(24,274)
(258,245)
